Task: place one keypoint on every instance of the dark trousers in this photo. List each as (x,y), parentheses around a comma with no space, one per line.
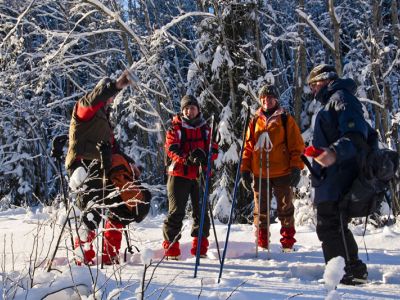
(179,189)
(97,196)
(329,233)
(280,187)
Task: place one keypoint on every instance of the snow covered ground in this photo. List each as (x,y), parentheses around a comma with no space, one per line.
(273,275)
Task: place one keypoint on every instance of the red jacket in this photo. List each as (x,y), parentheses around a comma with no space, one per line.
(178,150)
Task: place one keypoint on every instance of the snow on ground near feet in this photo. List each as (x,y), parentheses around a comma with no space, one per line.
(273,275)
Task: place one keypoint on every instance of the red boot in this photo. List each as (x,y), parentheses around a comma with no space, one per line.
(287,240)
(112,242)
(87,247)
(203,247)
(263,238)
(171,251)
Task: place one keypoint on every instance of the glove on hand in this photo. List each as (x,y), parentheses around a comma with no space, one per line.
(294,177)
(105,150)
(312,151)
(58,145)
(197,157)
(246,180)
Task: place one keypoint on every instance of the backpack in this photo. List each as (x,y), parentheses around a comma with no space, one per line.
(136,197)
(377,168)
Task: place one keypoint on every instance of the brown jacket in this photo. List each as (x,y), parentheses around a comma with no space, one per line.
(84,135)
(285,152)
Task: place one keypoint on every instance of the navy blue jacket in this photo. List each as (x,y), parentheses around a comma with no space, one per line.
(340,118)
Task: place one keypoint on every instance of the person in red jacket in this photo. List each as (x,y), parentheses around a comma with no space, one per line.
(89,128)
(187,143)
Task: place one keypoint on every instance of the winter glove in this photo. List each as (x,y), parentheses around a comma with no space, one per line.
(246,180)
(294,177)
(197,157)
(312,151)
(105,150)
(58,145)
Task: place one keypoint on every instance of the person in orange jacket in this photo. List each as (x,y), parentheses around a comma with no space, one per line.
(187,143)
(284,149)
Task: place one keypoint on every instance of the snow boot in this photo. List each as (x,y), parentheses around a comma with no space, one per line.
(287,240)
(356,273)
(203,247)
(171,250)
(112,242)
(263,238)
(86,242)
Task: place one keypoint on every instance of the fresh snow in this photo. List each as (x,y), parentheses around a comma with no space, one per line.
(300,275)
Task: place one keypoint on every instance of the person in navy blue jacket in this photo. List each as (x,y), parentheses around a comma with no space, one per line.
(341,131)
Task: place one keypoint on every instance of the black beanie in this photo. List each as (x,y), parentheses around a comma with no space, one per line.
(189,100)
(322,72)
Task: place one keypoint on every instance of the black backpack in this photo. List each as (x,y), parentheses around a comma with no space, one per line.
(377,168)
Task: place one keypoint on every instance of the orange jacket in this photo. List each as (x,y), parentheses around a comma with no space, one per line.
(285,152)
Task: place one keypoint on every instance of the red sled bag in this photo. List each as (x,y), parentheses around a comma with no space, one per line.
(136,197)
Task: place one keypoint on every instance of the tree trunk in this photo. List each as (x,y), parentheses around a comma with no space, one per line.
(145,9)
(375,35)
(230,72)
(336,37)
(300,70)
(396,34)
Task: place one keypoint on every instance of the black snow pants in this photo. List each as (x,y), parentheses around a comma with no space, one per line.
(179,189)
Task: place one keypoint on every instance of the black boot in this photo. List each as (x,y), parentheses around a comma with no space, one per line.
(356,273)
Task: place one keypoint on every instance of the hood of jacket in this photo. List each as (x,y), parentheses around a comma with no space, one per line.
(326,92)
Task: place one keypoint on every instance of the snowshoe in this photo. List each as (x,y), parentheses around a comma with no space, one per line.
(172,257)
(288,250)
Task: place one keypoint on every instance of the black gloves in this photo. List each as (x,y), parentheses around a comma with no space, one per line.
(105,150)
(246,180)
(58,145)
(197,157)
(294,177)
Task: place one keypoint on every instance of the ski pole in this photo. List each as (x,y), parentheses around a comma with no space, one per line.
(215,232)
(234,193)
(57,152)
(268,193)
(102,147)
(211,215)
(128,246)
(205,198)
(259,196)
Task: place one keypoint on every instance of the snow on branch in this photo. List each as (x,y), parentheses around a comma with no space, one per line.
(371,101)
(314,28)
(19,19)
(184,16)
(117,18)
(174,21)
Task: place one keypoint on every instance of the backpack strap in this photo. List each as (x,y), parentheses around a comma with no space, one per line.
(284,118)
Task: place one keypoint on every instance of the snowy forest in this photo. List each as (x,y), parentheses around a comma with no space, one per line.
(52,52)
